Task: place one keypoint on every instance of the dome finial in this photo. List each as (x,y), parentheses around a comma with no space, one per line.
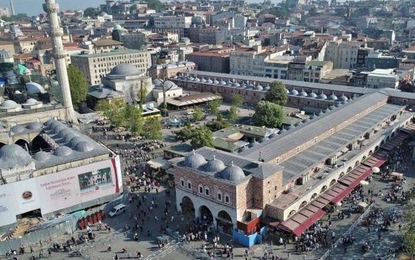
(193,151)
(214,157)
(231,163)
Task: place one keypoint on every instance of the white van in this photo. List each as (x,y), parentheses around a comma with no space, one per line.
(117,210)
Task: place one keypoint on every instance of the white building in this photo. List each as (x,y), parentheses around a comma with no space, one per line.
(182,22)
(342,54)
(382,78)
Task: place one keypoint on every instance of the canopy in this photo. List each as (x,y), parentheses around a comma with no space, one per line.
(396,174)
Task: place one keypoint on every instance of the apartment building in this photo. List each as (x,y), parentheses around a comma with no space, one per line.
(97,65)
(382,78)
(213,61)
(172,24)
(342,54)
(315,70)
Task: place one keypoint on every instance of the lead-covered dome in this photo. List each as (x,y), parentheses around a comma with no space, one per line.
(62,151)
(34,126)
(17,129)
(84,146)
(232,173)
(9,104)
(214,165)
(124,69)
(75,140)
(322,96)
(34,88)
(13,155)
(194,160)
(41,156)
(294,92)
(332,97)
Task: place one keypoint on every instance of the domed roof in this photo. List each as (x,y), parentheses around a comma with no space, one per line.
(215,81)
(34,126)
(69,136)
(259,87)
(322,96)
(236,84)
(62,151)
(229,83)
(117,26)
(168,84)
(17,129)
(41,156)
(75,140)
(203,80)
(31,101)
(294,92)
(17,92)
(222,82)
(84,146)
(312,94)
(214,165)
(197,79)
(343,98)
(12,155)
(194,160)
(9,104)
(267,87)
(209,81)
(303,93)
(34,88)
(332,97)
(232,173)
(125,69)
(65,131)
(49,122)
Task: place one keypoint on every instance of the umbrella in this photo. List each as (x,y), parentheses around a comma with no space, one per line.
(375,170)
(364,183)
(338,204)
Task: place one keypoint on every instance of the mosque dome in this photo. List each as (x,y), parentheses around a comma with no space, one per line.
(209,81)
(75,140)
(34,126)
(236,84)
(12,155)
(41,156)
(62,151)
(332,97)
(34,88)
(294,92)
(17,129)
(194,160)
(124,69)
(9,104)
(31,101)
(232,173)
(322,96)
(84,146)
(343,98)
(214,165)
(117,27)
(157,82)
(303,93)
(312,94)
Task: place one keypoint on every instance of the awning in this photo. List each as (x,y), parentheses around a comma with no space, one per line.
(310,221)
(395,142)
(302,220)
(345,191)
(353,179)
(154,165)
(374,162)
(396,174)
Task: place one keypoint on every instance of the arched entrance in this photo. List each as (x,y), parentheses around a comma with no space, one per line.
(341,174)
(332,182)
(187,207)
(356,163)
(303,204)
(2,144)
(224,222)
(349,169)
(23,143)
(314,196)
(38,143)
(292,212)
(205,214)
(323,189)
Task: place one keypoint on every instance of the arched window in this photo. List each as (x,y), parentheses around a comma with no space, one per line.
(219,195)
(200,188)
(207,191)
(182,182)
(189,185)
(227,198)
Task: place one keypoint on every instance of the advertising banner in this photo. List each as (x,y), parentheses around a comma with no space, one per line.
(7,206)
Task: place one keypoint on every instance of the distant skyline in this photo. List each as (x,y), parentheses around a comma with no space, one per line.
(34,7)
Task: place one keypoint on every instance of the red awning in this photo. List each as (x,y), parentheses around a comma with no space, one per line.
(361,173)
(374,162)
(310,221)
(342,195)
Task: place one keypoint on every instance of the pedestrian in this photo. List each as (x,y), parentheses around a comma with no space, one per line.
(304,256)
(399,226)
(116,257)
(289,256)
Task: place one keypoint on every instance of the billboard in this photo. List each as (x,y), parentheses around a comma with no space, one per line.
(60,190)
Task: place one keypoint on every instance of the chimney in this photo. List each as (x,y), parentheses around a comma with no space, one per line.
(59,57)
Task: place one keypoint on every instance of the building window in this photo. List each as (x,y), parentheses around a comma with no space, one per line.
(189,185)
(227,199)
(200,189)
(182,182)
(219,196)
(207,191)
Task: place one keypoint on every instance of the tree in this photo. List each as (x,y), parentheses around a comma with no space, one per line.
(152,129)
(268,114)
(217,125)
(277,93)
(213,106)
(91,12)
(408,232)
(233,113)
(142,94)
(237,100)
(113,111)
(197,114)
(78,85)
(201,137)
(185,133)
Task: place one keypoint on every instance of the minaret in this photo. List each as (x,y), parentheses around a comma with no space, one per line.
(59,56)
(11,7)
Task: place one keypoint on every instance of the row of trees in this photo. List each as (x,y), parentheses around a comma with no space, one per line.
(199,136)
(130,116)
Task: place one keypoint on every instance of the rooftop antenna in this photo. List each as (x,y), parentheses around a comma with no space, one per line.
(11,7)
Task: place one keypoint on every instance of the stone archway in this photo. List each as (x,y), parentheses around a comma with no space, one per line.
(370,152)
(341,175)
(303,204)
(188,207)
(292,212)
(2,144)
(333,182)
(314,196)
(224,222)
(356,163)
(364,158)
(23,143)
(38,143)
(349,169)
(205,214)
(323,189)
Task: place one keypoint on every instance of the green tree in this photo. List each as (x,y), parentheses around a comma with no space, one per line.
(217,125)
(113,111)
(408,232)
(201,137)
(91,12)
(142,94)
(78,85)
(152,129)
(213,106)
(268,114)
(237,100)
(233,113)
(197,114)
(277,93)
(185,133)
